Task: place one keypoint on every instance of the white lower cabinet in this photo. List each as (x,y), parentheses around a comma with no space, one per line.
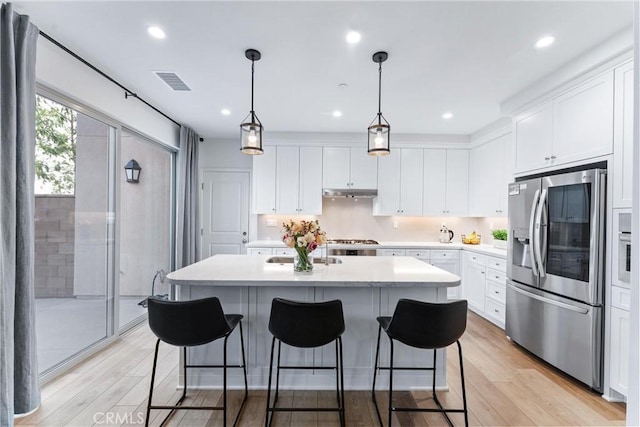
(485,286)
(448,261)
(619,363)
(259,251)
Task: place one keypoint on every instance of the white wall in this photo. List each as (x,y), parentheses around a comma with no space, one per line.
(59,71)
(223,154)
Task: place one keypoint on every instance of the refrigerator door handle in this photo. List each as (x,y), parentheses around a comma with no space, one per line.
(534,266)
(537,247)
(548,301)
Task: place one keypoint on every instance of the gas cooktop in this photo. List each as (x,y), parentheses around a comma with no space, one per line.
(352,241)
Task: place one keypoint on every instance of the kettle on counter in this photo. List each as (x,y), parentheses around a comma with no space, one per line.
(446,235)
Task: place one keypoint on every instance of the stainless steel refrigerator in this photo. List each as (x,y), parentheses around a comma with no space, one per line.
(555,270)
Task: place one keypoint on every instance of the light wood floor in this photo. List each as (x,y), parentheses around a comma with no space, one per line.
(505,387)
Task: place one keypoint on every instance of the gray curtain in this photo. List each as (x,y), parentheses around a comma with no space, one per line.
(19,388)
(188,223)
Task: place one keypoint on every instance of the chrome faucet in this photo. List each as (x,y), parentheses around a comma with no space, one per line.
(326,252)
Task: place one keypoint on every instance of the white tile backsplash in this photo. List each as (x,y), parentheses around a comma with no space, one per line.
(348,218)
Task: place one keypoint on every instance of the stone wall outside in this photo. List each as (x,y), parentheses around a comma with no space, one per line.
(54,246)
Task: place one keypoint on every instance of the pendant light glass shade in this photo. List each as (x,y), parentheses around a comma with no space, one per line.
(251,135)
(251,128)
(379,130)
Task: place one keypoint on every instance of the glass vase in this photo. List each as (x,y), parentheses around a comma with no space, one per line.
(303,262)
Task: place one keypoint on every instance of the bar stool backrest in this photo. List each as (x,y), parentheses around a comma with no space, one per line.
(187,323)
(306,324)
(428,325)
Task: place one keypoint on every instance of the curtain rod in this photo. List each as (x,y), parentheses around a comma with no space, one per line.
(127,92)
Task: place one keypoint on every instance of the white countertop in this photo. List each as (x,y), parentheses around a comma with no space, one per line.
(483,248)
(362,271)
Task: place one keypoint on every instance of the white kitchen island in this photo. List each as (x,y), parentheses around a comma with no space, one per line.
(367,286)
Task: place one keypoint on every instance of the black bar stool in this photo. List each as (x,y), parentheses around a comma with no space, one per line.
(428,326)
(187,324)
(306,325)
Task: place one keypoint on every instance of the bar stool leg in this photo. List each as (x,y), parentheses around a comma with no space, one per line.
(153,377)
(464,392)
(268,419)
(391,383)
(375,373)
(278,373)
(224,383)
(341,403)
(246,385)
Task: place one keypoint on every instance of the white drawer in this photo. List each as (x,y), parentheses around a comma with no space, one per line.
(284,251)
(620,298)
(495,310)
(391,252)
(259,251)
(496,292)
(497,264)
(475,258)
(419,253)
(496,276)
(438,254)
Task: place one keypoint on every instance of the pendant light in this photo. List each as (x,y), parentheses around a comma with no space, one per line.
(251,129)
(379,128)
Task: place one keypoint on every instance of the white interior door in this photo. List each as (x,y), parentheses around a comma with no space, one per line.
(225,212)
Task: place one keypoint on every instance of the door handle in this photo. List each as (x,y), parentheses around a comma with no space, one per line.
(537,247)
(244,240)
(532,216)
(244,233)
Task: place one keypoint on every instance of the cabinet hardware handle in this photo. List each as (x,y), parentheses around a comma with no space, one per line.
(547,158)
(498,264)
(496,310)
(482,272)
(553,157)
(497,277)
(496,292)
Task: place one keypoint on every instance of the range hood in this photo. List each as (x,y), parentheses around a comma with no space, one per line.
(349,193)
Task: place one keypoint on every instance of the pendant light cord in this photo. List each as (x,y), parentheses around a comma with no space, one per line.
(379,90)
(252,72)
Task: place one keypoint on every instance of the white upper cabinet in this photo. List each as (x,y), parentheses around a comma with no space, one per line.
(623,137)
(264,182)
(310,196)
(400,183)
(490,174)
(434,201)
(287,180)
(574,126)
(344,168)
(457,183)
(583,121)
(446,182)
(533,132)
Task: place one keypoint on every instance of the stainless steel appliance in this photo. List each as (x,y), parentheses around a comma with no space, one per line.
(555,270)
(350,247)
(624,249)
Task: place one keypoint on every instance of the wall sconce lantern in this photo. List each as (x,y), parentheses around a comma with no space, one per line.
(379,128)
(251,128)
(132,170)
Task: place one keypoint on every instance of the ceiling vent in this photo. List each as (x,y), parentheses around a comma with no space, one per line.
(172,80)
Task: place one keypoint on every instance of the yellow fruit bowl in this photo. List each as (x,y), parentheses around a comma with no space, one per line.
(473,239)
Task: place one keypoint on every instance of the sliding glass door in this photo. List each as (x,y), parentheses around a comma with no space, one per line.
(73,232)
(103,244)
(145,225)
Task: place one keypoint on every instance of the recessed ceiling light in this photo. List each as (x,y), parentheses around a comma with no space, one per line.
(337,113)
(225,111)
(156,32)
(544,42)
(447,115)
(353,37)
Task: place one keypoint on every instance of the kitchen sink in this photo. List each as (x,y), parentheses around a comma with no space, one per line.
(289,260)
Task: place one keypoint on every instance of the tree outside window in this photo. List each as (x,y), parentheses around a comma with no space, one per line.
(56,127)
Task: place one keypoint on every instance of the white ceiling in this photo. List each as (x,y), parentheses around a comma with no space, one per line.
(462,57)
